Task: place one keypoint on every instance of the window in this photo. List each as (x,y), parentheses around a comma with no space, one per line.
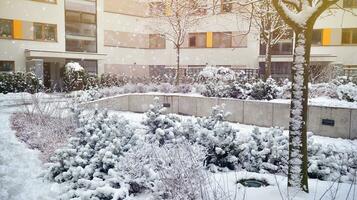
(45,32)
(350,3)
(81,45)
(156,41)
(349,36)
(222,40)
(197,40)
(226,6)
(47,1)
(5,28)
(80,17)
(317,36)
(7,66)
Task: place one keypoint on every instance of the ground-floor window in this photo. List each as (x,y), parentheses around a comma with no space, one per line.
(7,66)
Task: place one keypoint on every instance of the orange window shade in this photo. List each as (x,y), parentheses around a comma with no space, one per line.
(209,42)
(326,36)
(17,24)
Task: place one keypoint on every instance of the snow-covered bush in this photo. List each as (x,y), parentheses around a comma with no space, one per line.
(172,171)
(110,80)
(264,151)
(215,74)
(73,76)
(87,164)
(161,127)
(340,88)
(19,82)
(261,90)
(347,92)
(90,81)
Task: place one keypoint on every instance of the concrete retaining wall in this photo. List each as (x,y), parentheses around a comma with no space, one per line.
(324,121)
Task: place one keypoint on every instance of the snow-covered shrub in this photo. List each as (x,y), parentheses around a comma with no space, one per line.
(340,88)
(212,74)
(73,76)
(261,90)
(90,81)
(184,88)
(87,163)
(347,92)
(264,151)
(19,82)
(284,91)
(110,80)
(219,137)
(161,127)
(216,81)
(172,171)
(166,88)
(328,162)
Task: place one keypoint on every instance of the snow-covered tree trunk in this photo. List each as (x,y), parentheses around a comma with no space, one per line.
(268,57)
(298,112)
(178,48)
(301,16)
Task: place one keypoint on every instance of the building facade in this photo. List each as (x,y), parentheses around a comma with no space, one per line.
(115,36)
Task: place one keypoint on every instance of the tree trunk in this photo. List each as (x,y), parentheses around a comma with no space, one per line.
(267,60)
(298,161)
(177,65)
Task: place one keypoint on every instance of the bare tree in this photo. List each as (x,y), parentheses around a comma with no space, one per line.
(272,27)
(174,18)
(301,16)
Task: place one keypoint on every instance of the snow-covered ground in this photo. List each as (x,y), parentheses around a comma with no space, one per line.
(277,189)
(20,167)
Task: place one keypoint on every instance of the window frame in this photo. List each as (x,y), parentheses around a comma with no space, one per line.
(43,25)
(351,32)
(81,13)
(156,39)
(353,5)
(221,37)
(321,37)
(196,35)
(9,61)
(11,28)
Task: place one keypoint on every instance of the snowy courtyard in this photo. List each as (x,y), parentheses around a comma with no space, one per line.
(178,99)
(118,141)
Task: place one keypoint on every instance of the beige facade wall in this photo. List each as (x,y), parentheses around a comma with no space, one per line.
(127,7)
(31,11)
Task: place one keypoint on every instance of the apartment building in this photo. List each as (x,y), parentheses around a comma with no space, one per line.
(116,36)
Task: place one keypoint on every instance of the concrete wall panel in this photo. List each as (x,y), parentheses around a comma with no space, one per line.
(258,113)
(281,115)
(204,106)
(235,107)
